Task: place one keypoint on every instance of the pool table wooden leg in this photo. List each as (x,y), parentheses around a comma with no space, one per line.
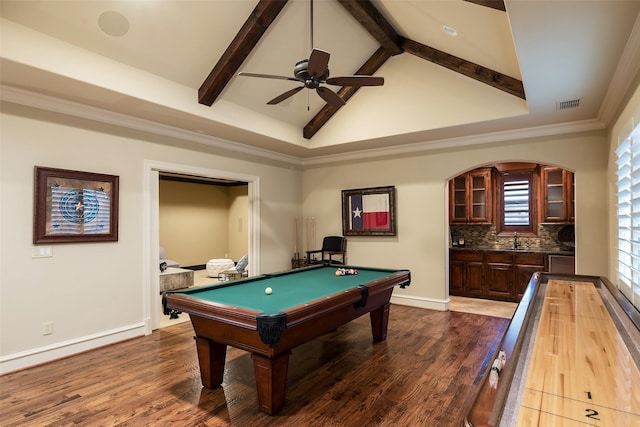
(212,357)
(271,379)
(379,321)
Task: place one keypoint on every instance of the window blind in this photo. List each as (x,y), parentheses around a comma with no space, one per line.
(516,202)
(628,214)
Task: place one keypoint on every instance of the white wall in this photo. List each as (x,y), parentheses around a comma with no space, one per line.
(93,292)
(420,181)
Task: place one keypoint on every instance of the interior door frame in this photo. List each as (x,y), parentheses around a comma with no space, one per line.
(151,230)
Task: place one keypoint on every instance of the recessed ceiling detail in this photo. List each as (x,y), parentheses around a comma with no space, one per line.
(366,13)
(439,91)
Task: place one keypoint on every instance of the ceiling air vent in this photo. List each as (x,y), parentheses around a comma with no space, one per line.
(565,105)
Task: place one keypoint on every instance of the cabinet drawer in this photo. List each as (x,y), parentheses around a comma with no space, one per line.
(530,259)
(499,257)
(466,256)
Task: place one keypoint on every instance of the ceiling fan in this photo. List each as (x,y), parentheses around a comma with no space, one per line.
(313,73)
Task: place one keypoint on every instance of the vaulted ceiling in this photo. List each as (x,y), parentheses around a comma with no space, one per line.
(456,72)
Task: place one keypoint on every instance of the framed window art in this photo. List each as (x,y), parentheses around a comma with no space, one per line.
(369,212)
(72,206)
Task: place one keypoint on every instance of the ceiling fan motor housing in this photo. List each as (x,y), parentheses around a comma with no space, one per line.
(300,71)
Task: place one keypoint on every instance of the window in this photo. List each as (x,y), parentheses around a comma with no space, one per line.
(515,203)
(628,213)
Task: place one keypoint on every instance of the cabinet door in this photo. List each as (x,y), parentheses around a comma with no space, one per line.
(458,199)
(474,278)
(499,280)
(557,197)
(480,195)
(456,278)
(470,197)
(523,275)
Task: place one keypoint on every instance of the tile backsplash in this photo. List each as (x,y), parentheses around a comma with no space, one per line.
(484,236)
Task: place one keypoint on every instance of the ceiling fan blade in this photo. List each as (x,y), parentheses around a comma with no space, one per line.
(356,81)
(278,99)
(318,62)
(267,76)
(330,97)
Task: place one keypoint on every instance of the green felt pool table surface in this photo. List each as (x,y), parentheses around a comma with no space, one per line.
(290,289)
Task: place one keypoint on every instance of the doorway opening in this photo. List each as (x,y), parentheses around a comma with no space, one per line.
(153,171)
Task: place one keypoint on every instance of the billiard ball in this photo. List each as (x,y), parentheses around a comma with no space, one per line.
(268,291)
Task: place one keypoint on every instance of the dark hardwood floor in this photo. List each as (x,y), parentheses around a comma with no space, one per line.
(422,375)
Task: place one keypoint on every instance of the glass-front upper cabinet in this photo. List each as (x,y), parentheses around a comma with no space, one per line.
(470,197)
(557,204)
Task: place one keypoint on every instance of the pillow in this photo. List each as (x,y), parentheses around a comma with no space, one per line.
(242,264)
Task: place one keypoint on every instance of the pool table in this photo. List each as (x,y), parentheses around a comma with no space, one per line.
(304,304)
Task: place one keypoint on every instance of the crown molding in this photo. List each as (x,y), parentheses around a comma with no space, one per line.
(53,104)
(466,141)
(57,105)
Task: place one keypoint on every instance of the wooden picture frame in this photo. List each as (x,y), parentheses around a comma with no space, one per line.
(72,206)
(369,211)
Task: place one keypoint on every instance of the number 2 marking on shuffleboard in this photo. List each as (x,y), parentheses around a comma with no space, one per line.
(591,413)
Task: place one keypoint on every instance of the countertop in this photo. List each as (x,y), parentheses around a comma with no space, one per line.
(523,250)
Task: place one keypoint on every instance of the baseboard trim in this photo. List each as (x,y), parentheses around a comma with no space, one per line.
(420,302)
(40,355)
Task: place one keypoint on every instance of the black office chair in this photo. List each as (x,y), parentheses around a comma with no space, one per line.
(331,245)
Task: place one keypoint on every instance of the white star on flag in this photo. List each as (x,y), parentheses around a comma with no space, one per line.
(357,212)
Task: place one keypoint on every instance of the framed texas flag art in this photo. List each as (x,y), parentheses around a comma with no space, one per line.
(369,212)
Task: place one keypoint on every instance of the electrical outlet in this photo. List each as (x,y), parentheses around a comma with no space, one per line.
(47,328)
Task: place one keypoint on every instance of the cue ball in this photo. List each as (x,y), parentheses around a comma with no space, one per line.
(268,291)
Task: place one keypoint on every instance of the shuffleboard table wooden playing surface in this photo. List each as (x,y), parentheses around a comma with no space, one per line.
(572,356)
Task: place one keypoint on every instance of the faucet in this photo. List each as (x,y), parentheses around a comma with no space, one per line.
(516,244)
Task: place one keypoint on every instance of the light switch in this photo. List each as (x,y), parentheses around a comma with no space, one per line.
(42,252)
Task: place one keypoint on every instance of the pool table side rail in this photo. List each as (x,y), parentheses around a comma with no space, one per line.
(489,401)
(353,295)
(239,316)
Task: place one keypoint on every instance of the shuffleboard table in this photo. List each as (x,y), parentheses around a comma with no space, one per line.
(572,355)
(303,304)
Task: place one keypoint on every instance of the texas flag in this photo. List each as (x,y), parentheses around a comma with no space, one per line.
(369,211)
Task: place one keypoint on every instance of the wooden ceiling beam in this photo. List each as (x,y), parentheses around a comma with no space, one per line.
(375,23)
(493,4)
(380,29)
(368,68)
(254,27)
(482,74)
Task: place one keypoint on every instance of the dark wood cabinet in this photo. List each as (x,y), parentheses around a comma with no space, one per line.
(475,276)
(466,273)
(557,201)
(525,265)
(456,277)
(498,275)
(470,197)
